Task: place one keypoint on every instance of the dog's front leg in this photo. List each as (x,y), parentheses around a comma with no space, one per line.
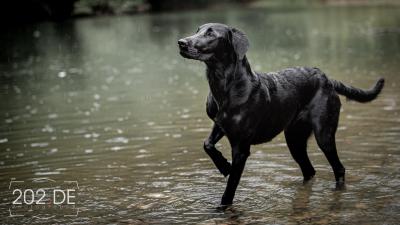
(240,152)
(209,146)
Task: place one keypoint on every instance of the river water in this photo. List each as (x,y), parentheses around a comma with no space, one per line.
(108,102)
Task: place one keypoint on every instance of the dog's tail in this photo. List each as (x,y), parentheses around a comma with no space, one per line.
(357,94)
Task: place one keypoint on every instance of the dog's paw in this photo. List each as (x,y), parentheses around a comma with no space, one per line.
(224,207)
(307,176)
(307,179)
(226,200)
(340,184)
(226,169)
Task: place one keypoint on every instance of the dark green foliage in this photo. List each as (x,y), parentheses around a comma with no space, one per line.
(12,11)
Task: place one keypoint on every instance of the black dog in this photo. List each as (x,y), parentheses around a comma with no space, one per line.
(252,108)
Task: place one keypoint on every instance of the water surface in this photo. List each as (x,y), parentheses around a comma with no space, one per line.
(108,102)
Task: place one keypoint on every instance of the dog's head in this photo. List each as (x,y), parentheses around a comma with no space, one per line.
(214,40)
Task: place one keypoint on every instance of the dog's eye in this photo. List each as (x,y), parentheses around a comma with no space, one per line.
(209,32)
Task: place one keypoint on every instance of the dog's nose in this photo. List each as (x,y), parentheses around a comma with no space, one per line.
(182,43)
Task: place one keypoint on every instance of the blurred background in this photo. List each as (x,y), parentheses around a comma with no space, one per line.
(39,10)
(96,91)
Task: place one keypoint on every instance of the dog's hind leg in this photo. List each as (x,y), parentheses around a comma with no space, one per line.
(325,116)
(296,136)
(209,147)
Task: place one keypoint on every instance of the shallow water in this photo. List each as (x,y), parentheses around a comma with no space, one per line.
(109,103)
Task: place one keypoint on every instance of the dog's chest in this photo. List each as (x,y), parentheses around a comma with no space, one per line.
(252,126)
(234,124)
(230,119)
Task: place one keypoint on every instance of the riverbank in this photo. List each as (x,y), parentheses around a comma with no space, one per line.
(28,11)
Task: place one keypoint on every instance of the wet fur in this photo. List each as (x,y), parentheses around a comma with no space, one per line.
(251,108)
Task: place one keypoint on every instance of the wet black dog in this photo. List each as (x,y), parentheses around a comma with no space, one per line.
(251,108)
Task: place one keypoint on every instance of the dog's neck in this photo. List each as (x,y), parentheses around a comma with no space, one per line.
(223,74)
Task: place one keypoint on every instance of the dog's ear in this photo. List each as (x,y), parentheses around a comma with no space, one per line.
(239,42)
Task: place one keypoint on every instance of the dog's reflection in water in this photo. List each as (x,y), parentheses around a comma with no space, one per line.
(322,209)
(308,206)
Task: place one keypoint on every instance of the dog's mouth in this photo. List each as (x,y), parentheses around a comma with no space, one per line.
(188,52)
